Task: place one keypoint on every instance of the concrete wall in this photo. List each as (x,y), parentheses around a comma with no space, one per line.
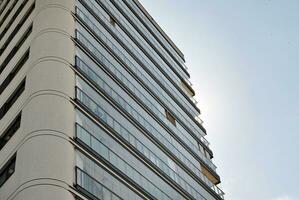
(45,156)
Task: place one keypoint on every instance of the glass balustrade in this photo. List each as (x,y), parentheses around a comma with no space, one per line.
(109,120)
(95,8)
(98,31)
(95,76)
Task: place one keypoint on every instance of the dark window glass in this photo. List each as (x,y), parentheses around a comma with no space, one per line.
(17,28)
(14,72)
(170,117)
(15,49)
(8,12)
(10,131)
(112,21)
(12,19)
(3,8)
(7,170)
(12,99)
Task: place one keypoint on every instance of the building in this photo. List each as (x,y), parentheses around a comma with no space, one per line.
(95,103)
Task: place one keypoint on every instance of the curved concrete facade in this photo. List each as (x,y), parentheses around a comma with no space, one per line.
(45,156)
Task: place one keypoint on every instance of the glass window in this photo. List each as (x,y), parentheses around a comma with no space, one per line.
(7,170)
(106,194)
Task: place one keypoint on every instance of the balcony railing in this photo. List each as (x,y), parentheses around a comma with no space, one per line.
(109,120)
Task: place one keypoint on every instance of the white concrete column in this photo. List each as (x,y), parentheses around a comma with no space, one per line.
(45,158)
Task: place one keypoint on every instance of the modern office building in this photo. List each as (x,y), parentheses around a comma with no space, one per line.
(95,103)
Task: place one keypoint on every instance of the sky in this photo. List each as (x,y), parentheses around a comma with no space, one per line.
(243,57)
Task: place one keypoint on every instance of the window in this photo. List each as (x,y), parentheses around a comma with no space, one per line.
(14,72)
(170,117)
(17,28)
(7,170)
(112,21)
(189,91)
(8,12)
(209,175)
(10,131)
(207,154)
(15,49)
(13,19)
(12,99)
(3,7)
(172,164)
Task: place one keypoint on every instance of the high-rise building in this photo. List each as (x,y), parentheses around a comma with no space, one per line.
(95,103)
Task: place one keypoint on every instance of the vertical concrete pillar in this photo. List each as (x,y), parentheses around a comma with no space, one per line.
(45,159)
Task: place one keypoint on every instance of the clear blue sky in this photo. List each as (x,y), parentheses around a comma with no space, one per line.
(243,56)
